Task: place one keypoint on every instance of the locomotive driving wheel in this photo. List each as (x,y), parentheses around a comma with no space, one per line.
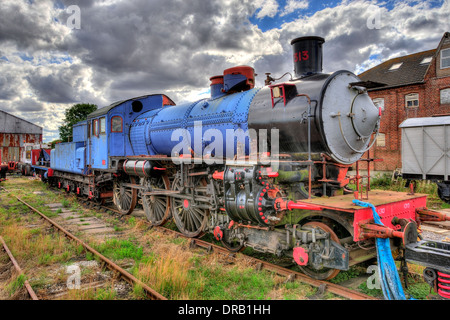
(190,218)
(157,207)
(125,197)
(324,273)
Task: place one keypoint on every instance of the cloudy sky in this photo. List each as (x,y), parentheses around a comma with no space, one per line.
(56,53)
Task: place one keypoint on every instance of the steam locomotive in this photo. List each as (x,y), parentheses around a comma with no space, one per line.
(265,168)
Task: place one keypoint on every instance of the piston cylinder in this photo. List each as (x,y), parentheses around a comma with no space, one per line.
(140,168)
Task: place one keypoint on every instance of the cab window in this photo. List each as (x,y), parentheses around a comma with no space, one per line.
(116,124)
(95,127)
(102,125)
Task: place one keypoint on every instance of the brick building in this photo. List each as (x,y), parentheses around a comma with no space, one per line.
(14,133)
(416,85)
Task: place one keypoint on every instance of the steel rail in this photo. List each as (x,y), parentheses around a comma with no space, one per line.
(27,285)
(152,294)
(331,287)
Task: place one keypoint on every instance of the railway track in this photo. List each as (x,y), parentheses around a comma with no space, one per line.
(194,242)
(121,273)
(260,264)
(19,271)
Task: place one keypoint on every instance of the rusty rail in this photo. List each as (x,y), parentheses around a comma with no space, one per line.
(152,294)
(27,285)
(331,287)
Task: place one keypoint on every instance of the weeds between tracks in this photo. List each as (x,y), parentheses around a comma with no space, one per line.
(164,262)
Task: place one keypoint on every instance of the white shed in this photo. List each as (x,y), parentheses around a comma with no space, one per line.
(425,148)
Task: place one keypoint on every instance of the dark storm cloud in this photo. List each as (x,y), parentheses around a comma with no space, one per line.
(28,25)
(60,86)
(51,89)
(80,3)
(28,105)
(7,88)
(156,37)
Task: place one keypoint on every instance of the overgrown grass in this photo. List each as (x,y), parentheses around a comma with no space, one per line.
(353,272)
(16,284)
(370,292)
(385,182)
(107,293)
(179,273)
(164,263)
(120,249)
(43,249)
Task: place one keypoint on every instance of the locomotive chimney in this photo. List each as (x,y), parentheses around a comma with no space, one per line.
(307,55)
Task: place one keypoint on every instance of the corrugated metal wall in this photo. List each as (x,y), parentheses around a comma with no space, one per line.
(14,132)
(11,145)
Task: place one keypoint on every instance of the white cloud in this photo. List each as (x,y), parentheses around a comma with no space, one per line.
(267,8)
(293,5)
(404,29)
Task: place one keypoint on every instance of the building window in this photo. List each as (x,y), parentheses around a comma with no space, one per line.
(381,140)
(102,125)
(95,127)
(395,66)
(116,124)
(412,100)
(379,103)
(445,96)
(445,58)
(426,60)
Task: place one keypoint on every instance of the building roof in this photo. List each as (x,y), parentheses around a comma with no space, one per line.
(425,122)
(11,124)
(410,70)
(105,110)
